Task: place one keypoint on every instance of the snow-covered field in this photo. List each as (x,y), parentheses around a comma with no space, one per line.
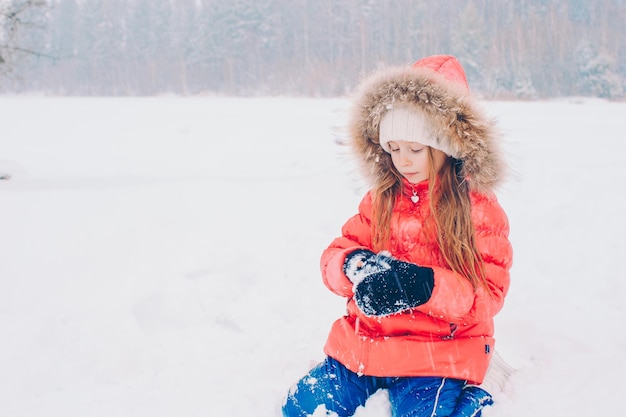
(159,256)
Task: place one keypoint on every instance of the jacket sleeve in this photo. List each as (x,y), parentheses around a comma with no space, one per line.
(355,234)
(454,299)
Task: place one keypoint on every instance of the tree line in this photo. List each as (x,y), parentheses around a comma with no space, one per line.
(530,49)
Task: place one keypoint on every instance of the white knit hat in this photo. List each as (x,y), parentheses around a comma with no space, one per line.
(405,124)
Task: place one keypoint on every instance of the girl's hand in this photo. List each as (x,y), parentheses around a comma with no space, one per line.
(387,286)
(362,263)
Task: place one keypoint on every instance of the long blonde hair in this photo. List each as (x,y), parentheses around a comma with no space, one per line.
(450,215)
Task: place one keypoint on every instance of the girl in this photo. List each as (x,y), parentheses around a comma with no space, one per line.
(425,263)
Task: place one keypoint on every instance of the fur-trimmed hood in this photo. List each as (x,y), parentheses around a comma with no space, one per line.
(437,86)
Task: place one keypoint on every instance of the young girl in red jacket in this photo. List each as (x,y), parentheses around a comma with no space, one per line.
(424,265)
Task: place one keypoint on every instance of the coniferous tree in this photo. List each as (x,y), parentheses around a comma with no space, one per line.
(535,48)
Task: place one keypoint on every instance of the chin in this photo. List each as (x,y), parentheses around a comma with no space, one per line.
(414,179)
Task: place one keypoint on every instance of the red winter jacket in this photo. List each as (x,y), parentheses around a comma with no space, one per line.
(451,335)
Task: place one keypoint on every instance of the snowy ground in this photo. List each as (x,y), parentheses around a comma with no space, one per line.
(159,256)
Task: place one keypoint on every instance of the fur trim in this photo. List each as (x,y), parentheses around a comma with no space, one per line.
(462,129)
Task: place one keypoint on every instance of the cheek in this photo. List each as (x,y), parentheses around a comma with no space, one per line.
(422,161)
(394,160)
(427,162)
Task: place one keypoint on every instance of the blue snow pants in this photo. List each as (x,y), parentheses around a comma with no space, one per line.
(341,391)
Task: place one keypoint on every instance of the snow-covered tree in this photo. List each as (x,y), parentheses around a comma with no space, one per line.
(597,74)
(17,17)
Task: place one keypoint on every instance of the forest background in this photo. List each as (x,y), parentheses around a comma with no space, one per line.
(528,49)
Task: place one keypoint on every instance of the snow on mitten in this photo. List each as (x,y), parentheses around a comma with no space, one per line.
(395,286)
(362,263)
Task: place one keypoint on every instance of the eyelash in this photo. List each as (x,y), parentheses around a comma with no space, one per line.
(412,150)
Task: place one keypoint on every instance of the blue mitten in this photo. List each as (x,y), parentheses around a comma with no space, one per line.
(384,286)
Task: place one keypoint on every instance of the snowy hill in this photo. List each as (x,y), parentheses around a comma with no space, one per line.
(160,255)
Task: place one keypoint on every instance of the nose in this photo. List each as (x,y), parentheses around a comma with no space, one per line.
(404,159)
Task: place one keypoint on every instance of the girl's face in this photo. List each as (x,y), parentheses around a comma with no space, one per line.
(412,161)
